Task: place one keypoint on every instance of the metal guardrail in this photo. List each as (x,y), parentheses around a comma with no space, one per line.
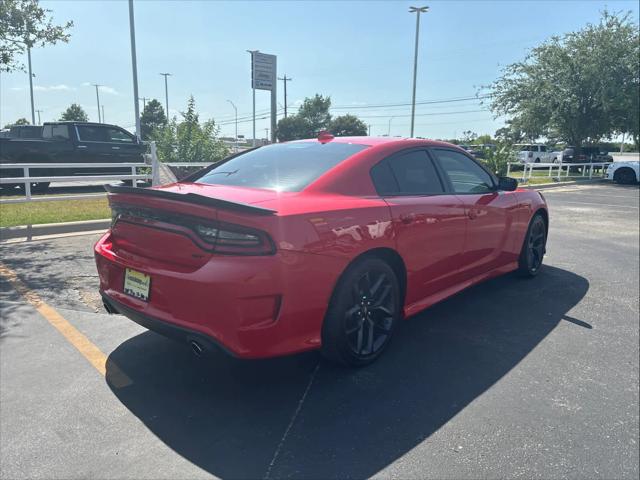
(27,180)
(563,170)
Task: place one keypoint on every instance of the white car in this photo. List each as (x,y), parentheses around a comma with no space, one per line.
(624,172)
(533,153)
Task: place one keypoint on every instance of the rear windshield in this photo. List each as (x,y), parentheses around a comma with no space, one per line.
(287,167)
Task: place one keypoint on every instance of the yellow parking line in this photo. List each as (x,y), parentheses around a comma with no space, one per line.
(88,350)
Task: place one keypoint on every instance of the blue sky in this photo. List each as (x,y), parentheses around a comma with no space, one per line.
(359,53)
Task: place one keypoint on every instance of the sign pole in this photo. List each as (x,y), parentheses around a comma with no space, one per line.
(274,119)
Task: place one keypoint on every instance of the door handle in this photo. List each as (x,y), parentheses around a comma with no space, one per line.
(115,148)
(82,146)
(408,218)
(472,214)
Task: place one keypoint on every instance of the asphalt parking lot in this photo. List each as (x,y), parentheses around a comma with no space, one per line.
(513,378)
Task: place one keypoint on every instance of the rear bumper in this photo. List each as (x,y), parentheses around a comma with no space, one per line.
(169,330)
(251,307)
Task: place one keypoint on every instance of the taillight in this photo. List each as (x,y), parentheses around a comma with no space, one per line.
(210,235)
(228,238)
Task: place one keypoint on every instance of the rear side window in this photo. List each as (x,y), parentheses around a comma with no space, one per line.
(92,133)
(117,135)
(466,176)
(55,131)
(288,167)
(410,173)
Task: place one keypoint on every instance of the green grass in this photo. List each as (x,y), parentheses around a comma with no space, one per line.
(53,212)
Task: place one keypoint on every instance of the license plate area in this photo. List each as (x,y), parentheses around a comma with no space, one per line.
(137,284)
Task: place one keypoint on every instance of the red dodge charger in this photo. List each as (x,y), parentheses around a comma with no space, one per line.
(316,244)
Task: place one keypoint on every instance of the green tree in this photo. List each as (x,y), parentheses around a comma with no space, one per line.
(152,118)
(347,126)
(75,113)
(580,88)
(20,121)
(313,117)
(23,24)
(496,160)
(189,140)
(315,111)
(468,136)
(292,128)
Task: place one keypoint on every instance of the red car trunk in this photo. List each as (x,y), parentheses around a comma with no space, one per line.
(179,224)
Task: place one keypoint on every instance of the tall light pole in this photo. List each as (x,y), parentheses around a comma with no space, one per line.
(33,112)
(389,127)
(285,79)
(98,99)
(236,136)
(253,87)
(39,112)
(103,120)
(417,11)
(134,69)
(166,93)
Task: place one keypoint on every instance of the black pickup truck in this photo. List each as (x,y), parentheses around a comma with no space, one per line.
(71,142)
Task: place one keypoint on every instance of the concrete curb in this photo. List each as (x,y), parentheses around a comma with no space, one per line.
(48,230)
(544,186)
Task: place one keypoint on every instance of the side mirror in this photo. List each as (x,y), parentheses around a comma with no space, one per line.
(507,184)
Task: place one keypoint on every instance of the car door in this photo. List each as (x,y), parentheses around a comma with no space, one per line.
(491,213)
(93,144)
(124,146)
(429,223)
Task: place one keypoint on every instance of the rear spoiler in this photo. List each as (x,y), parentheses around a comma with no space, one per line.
(191,198)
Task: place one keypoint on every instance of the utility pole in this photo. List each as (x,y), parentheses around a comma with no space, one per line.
(134,68)
(98,99)
(266,130)
(166,93)
(103,120)
(144,102)
(253,87)
(285,80)
(33,113)
(417,11)
(39,112)
(389,128)
(236,136)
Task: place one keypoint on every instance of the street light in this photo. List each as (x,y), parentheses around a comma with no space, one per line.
(418,11)
(134,71)
(166,93)
(389,127)
(98,99)
(236,137)
(31,75)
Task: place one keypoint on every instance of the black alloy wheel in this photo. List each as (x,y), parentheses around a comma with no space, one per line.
(363,314)
(534,247)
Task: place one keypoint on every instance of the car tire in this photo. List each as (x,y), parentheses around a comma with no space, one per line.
(537,160)
(534,247)
(36,187)
(363,313)
(625,176)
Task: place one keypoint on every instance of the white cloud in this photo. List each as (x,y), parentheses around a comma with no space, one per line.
(103,88)
(109,90)
(46,88)
(53,88)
